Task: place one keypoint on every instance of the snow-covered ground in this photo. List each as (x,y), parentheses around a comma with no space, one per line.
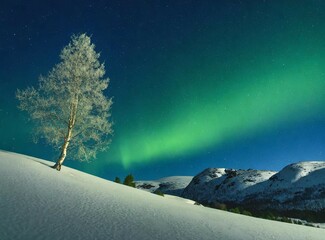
(37,202)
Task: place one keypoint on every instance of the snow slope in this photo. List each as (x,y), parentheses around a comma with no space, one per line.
(169,185)
(37,202)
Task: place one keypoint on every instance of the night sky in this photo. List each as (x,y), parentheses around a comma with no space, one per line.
(195,84)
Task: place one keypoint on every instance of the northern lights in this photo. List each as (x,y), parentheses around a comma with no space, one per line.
(227,113)
(195,84)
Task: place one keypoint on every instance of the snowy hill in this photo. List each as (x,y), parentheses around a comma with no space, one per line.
(169,185)
(37,202)
(220,184)
(299,186)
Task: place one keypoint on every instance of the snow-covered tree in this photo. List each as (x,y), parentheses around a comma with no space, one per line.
(69,107)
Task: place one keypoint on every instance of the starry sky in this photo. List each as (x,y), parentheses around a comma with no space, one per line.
(195,84)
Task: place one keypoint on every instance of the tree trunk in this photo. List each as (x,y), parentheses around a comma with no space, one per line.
(64,149)
(62,157)
(67,139)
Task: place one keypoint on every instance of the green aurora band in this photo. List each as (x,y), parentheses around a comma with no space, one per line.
(253,102)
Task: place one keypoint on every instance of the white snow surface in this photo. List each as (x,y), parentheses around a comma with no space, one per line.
(37,202)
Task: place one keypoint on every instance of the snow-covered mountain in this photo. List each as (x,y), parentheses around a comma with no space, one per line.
(37,202)
(169,185)
(299,186)
(220,184)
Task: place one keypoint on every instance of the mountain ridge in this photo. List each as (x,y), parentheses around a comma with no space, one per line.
(298,186)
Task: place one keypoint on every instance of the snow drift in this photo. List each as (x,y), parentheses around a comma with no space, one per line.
(37,202)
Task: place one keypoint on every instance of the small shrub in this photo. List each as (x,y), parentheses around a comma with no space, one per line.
(309,225)
(235,210)
(285,219)
(268,215)
(220,206)
(247,213)
(158,192)
(117,180)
